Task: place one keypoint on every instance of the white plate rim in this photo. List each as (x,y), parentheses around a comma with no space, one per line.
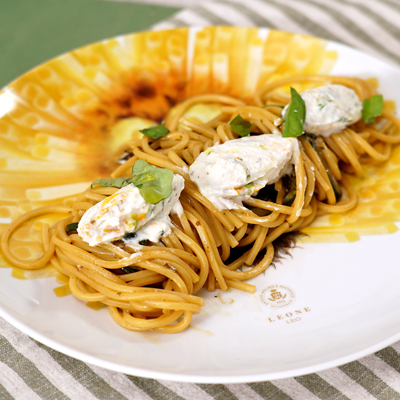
(79,355)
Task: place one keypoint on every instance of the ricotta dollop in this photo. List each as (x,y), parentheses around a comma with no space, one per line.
(329,109)
(227,174)
(126,211)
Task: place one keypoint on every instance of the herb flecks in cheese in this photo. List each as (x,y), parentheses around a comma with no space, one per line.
(226,174)
(329,109)
(126,211)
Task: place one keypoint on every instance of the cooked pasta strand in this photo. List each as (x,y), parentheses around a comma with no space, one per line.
(153,286)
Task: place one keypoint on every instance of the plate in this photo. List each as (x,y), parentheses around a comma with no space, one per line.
(338,292)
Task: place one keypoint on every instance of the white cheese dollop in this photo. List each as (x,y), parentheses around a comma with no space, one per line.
(329,109)
(226,174)
(126,211)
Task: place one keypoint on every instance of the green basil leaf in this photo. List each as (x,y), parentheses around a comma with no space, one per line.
(155,184)
(110,182)
(372,108)
(71,227)
(294,116)
(273,105)
(241,126)
(155,131)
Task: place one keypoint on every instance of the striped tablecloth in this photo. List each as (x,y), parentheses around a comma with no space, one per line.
(30,370)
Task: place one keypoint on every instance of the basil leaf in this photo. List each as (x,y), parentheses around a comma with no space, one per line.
(295,116)
(273,105)
(155,184)
(241,126)
(372,108)
(71,227)
(155,131)
(110,182)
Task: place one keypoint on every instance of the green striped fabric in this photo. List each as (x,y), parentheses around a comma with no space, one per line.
(29,370)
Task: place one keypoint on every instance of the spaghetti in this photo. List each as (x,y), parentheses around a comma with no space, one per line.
(155,287)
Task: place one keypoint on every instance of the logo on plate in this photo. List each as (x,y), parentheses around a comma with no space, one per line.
(276,296)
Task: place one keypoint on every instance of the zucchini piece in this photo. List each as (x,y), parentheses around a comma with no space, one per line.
(71,227)
(289,182)
(133,235)
(130,235)
(128,270)
(289,198)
